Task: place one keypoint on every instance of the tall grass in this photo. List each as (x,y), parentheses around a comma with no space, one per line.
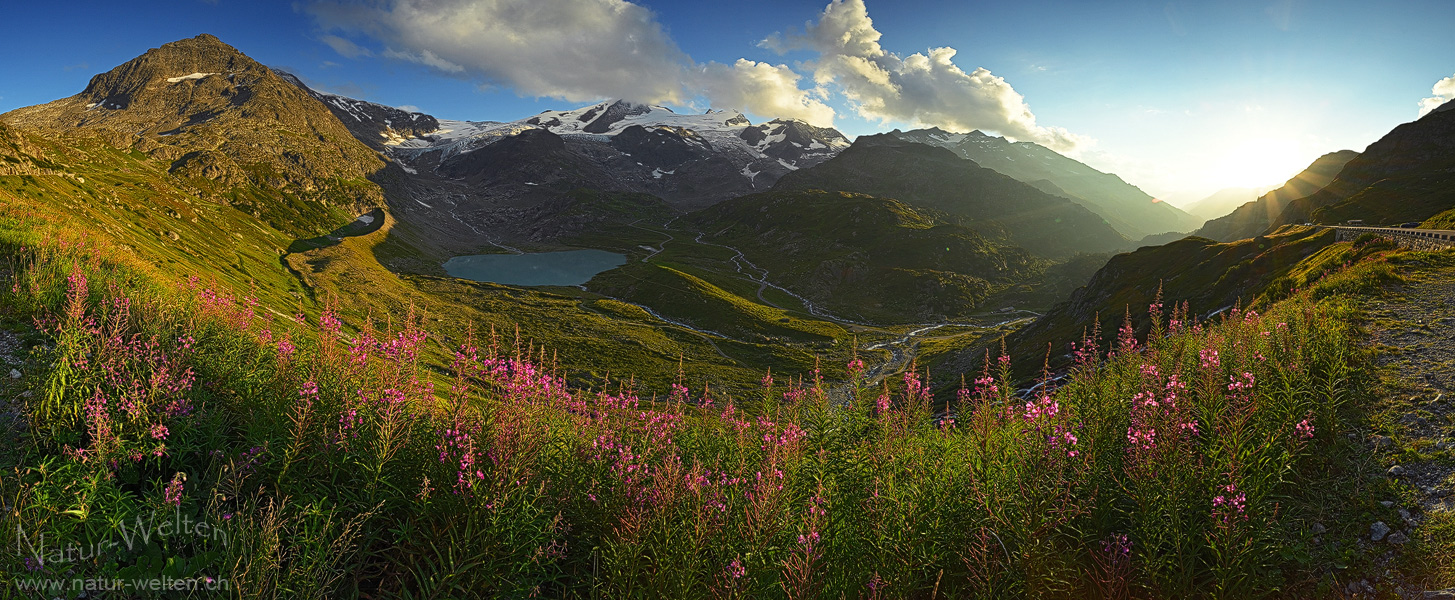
(328,461)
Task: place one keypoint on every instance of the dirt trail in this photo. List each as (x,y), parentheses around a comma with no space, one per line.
(1413,439)
(1415,328)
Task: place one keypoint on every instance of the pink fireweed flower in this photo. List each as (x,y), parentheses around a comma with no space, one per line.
(309,391)
(1304,429)
(1044,407)
(882,403)
(286,347)
(736,570)
(1240,385)
(348,420)
(1231,505)
(173,493)
(330,322)
(856,367)
(1062,438)
(1209,357)
(1118,546)
(186,342)
(1141,436)
(159,431)
(1147,399)
(913,386)
(985,386)
(1190,427)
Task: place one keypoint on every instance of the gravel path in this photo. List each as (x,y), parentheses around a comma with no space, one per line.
(1415,326)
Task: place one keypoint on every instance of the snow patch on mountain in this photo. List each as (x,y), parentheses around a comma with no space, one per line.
(185,77)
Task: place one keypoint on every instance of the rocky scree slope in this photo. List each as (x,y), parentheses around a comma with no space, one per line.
(373,124)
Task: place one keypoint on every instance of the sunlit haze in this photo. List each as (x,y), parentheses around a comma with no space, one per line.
(1179,98)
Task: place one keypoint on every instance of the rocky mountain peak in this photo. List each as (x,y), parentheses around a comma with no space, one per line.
(613,112)
(182,61)
(220,119)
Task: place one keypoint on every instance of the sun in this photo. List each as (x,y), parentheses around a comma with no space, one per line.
(1259,162)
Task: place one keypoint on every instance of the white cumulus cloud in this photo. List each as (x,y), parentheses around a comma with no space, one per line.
(923,88)
(571,49)
(1444,91)
(576,50)
(764,89)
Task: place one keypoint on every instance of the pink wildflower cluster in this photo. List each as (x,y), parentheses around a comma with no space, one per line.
(1159,417)
(1231,505)
(1304,430)
(139,386)
(456,447)
(173,493)
(1045,417)
(1209,358)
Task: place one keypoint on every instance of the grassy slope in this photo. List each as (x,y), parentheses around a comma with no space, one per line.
(126,196)
(581,494)
(674,290)
(869,258)
(1206,274)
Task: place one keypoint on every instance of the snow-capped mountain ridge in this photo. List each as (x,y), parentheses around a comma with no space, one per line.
(374,124)
(720,130)
(693,159)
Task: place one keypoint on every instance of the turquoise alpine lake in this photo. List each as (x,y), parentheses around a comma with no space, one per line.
(571,267)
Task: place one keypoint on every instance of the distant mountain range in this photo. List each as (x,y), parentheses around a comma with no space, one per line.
(996,205)
(1254,218)
(1128,209)
(1224,201)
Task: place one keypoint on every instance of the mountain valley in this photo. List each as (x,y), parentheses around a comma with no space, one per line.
(779,287)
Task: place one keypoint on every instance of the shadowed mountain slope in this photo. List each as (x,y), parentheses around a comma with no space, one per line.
(1408,175)
(1255,217)
(996,205)
(1125,207)
(871,258)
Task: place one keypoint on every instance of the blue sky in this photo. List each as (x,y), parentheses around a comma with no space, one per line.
(1181,98)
